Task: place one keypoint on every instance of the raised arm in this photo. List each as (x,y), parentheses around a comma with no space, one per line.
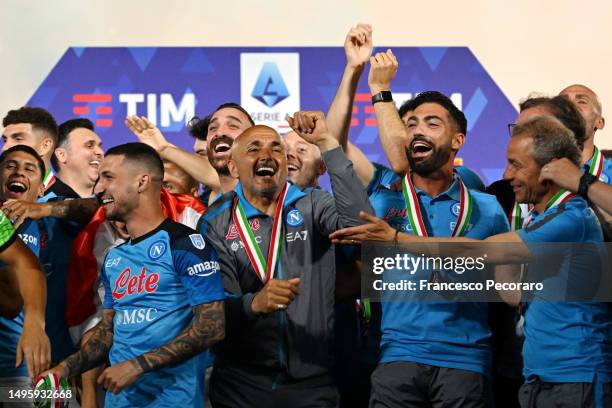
(358,49)
(349,196)
(566,174)
(391,129)
(80,210)
(196,166)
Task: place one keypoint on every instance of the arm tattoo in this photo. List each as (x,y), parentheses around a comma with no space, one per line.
(95,351)
(80,209)
(207,328)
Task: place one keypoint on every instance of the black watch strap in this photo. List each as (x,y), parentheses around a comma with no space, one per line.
(382,96)
(585,181)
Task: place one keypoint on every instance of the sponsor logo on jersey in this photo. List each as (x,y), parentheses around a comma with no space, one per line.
(394,212)
(203,268)
(112,262)
(157,249)
(197,240)
(29,239)
(296,236)
(232,232)
(135,316)
(128,284)
(294,218)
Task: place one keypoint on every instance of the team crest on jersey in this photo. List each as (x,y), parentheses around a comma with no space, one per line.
(157,249)
(455,208)
(604,178)
(197,240)
(232,232)
(294,218)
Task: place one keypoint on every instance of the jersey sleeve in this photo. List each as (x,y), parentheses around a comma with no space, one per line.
(558,226)
(382,175)
(7,232)
(197,263)
(108,302)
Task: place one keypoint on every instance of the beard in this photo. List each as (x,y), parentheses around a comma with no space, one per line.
(219,163)
(424,167)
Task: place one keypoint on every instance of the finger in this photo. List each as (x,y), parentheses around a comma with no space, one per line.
(290,121)
(295,281)
(300,120)
(20,219)
(345,242)
(45,355)
(310,121)
(279,300)
(283,292)
(29,356)
(147,123)
(102,378)
(368,217)
(19,356)
(364,26)
(349,232)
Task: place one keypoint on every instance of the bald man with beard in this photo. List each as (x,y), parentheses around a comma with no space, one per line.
(278,269)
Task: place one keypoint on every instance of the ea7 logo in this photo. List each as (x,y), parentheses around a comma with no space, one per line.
(112,262)
(203,268)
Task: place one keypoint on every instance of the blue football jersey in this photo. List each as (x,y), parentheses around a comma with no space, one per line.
(10,329)
(446,334)
(152,283)
(567,341)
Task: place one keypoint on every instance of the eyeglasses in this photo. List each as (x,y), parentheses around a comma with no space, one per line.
(511,128)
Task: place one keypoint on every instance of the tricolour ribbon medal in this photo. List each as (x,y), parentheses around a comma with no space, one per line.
(264,268)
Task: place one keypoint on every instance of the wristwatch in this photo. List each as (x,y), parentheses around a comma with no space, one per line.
(585,182)
(382,96)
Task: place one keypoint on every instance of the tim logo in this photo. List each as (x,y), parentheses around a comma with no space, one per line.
(294,218)
(232,233)
(270,88)
(161,109)
(128,284)
(157,249)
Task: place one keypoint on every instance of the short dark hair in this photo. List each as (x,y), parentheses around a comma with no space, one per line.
(142,154)
(63,132)
(39,118)
(551,140)
(28,150)
(198,127)
(234,105)
(564,110)
(456,116)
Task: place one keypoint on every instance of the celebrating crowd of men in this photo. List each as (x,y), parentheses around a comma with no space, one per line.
(153,276)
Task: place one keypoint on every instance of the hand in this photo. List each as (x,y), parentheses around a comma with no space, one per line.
(383,67)
(34,345)
(276,295)
(147,132)
(117,377)
(375,230)
(358,45)
(18,210)
(563,173)
(61,370)
(311,126)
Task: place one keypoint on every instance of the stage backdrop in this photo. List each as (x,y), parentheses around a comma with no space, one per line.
(170,85)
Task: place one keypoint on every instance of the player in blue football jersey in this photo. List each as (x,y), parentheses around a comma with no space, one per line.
(164,296)
(568,345)
(21,177)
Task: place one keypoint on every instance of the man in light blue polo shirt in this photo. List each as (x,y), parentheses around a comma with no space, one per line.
(434,353)
(568,346)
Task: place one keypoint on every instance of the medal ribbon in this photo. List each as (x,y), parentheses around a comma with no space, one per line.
(263,268)
(414,209)
(49,178)
(596,163)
